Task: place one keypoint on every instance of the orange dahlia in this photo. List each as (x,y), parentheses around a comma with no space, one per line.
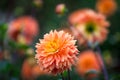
(88,26)
(87,61)
(56,52)
(23,29)
(106,7)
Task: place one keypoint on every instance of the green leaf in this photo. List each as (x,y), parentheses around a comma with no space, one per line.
(18,11)
(3,30)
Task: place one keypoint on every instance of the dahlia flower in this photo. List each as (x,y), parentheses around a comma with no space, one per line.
(56,52)
(88,26)
(88,61)
(23,29)
(106,7)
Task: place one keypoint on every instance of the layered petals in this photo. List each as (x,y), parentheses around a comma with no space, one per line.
(56,52)
(91,27)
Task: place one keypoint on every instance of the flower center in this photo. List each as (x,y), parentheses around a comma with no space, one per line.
(51,46)
(90,28)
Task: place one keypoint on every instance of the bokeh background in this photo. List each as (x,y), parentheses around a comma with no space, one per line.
(13,55)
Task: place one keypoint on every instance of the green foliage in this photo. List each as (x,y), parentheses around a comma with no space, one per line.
(3,31)
(17,46)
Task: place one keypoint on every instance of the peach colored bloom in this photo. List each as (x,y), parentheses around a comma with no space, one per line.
(60,9)
(88,26)
(56,52)
(106,7)
(87,61)
(23,29)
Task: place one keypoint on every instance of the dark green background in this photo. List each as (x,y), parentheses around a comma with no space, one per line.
(49,20)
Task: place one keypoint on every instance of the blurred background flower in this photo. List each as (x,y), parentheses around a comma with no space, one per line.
(23,29)
(88,62)
(30,70)
(60,9)
(106,7)
(91,26)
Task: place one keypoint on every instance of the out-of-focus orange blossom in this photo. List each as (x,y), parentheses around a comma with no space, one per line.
(106,7)
(30,70)
(88,61)
(23,29)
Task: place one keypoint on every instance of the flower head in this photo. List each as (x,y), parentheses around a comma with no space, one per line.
(23,29)
(87,61)
(106,7)
(91,26)
(60,9)
(56,52)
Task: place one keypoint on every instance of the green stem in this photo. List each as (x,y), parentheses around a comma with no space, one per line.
(103,66)
(62,76)
(69,75)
